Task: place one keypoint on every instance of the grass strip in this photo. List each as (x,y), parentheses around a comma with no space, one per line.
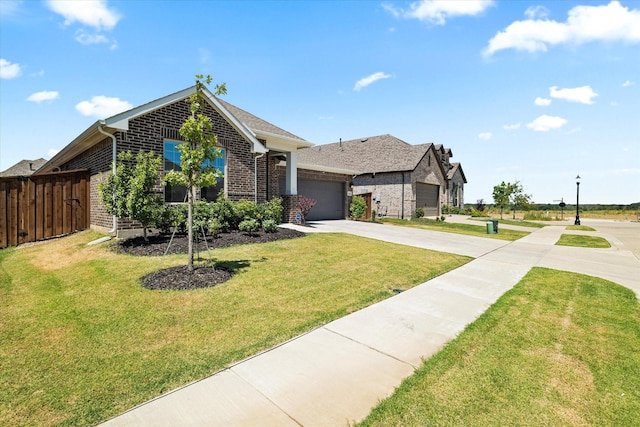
(514,222)
(580,228)
(81,340)
(582,241)
(457,228)
(559,349)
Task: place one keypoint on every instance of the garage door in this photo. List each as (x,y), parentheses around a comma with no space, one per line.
(427,198)
(329,197)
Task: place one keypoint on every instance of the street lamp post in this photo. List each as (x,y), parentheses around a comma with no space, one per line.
(577,200)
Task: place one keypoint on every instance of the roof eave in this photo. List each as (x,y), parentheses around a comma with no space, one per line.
(281,142)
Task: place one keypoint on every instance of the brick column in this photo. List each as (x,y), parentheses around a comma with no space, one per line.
(290,205)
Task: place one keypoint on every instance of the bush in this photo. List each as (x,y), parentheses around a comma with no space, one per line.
(442,218)
(223,211)
(358,207)
(245,209)
(272,210)
(249,226)
(305,204)
(419,213)
(215,227)
(269,226)
(202,213)
(165,218)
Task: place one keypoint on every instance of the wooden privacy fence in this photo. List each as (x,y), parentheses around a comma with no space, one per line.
(38,207)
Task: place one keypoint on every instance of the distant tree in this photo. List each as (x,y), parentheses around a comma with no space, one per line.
(197,153)
(131,191)
(480,205)
(518,198)
(501,195)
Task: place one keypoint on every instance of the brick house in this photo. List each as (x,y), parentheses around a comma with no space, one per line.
(394,177)
(251,148)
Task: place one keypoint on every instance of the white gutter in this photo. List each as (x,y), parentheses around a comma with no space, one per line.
(255,177)
(113,170)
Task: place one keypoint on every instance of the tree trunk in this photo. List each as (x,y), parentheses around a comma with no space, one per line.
(190,229)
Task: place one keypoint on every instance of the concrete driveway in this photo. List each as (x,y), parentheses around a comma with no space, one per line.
(336,374)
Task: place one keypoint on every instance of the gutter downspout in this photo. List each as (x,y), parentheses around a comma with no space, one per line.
(402,195)
(255,177)
(113,170)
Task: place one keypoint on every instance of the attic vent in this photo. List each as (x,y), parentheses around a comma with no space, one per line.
(171,134)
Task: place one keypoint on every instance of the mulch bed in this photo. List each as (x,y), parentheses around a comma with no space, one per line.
(178,278)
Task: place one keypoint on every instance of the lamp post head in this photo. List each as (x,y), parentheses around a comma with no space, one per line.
(578,180)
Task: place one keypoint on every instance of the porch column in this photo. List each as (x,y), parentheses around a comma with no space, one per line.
(292,173)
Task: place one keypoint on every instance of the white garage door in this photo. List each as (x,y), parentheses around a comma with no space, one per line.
(427,198)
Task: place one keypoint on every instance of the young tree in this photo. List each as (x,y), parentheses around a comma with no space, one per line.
(131,193)
(197,153)
(501,195)
(518,198)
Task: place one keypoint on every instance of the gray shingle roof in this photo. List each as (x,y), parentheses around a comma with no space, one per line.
(23,168)
(383,153)
(256,123)
(453,169)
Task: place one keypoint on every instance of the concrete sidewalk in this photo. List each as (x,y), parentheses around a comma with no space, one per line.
(337,373)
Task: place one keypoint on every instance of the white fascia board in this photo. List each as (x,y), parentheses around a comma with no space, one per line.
(321,168)
(121,121)
(257,146)
(281,142)
(83,142)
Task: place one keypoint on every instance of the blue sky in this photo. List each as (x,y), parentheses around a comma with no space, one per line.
(535,91)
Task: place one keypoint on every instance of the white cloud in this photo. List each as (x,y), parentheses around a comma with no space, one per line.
(37,74)
(545,123)
(485,136)
(514,126)
(93,13)
(542,102)
(85,38)
(628,83)
(611,22)
(437,11)
(8,70)
(45,95)
(582,94)
(102,107)
(366,81)
(52,152)
(534,12)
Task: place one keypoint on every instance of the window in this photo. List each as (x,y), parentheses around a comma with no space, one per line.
(177,193)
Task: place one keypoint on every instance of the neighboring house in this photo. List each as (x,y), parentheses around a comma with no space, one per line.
(394,177)
(251,147)
(23,168)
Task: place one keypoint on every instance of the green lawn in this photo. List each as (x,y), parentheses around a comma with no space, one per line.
(582,241)
(580,228)
(81,340)
(559,349)
(457,228)
(517,222)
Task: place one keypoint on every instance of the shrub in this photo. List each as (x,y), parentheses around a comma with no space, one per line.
(305,204)
(215,227)
(249,226)
(269,226)
(223,210)
(272,210)
(202,213)
(165,218)
(245,209)
(442,218)
(358,207)
(419,213)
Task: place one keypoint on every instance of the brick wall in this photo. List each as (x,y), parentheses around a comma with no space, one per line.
(148,133)
(390,189)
